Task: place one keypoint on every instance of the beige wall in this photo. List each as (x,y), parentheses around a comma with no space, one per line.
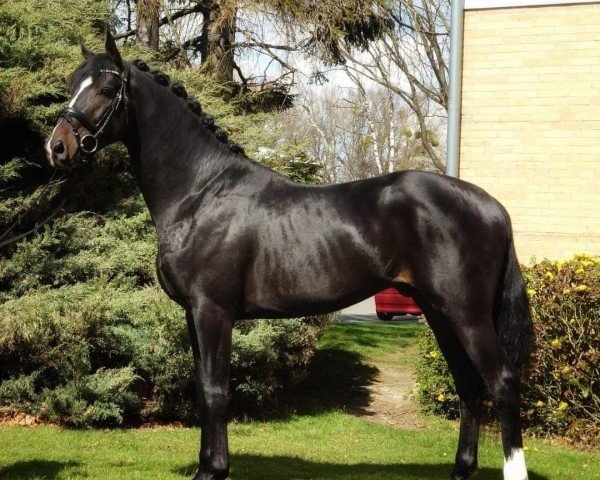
(531,122)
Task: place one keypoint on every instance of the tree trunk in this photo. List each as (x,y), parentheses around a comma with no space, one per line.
(148,23)
(218,36)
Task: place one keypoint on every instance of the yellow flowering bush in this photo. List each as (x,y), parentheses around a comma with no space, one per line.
(561,384)
(565,367)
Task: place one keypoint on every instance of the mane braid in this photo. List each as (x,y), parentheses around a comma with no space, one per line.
(192,103)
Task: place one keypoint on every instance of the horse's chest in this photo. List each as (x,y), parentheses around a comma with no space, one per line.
(173,238)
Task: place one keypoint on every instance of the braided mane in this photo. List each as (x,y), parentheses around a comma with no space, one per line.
(192,103)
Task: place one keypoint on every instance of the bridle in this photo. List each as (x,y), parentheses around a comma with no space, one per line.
(88,144)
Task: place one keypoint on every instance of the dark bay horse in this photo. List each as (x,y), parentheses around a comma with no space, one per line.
(237,241)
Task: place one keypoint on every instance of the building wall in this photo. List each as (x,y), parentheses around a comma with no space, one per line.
(531,122)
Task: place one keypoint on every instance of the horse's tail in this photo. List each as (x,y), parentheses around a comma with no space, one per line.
(512,316)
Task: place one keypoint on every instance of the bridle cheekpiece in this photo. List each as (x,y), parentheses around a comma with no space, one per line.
(88,144)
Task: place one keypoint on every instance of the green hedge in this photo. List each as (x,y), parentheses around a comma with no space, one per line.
(561,385)
(93,354)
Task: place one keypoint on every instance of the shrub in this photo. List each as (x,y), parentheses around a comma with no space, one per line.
(561,393)
(86,336)
(96,354)
(435,385)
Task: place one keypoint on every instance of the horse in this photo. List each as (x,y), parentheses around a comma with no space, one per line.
(237,241)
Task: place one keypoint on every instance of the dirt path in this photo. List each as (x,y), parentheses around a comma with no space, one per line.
(393,394)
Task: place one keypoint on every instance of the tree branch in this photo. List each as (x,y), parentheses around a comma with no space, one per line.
(189,43)
(263,45)
(197,8)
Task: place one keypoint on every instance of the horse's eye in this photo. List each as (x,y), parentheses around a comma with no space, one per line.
(107,91)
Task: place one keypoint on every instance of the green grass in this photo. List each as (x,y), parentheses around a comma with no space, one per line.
(328,446)
(348,361)
(322,444)
(376,343)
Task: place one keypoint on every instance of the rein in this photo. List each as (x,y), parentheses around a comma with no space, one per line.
(88,144)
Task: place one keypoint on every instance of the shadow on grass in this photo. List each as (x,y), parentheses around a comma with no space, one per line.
(258,467)
(35,469)
(337,380)
(339,375)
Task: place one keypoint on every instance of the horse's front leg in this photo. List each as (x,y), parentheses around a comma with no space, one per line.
(210,330)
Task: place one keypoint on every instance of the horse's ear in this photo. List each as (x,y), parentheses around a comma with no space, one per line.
(86,52)
(112,50)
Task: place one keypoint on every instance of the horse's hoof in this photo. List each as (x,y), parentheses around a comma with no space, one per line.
(203,475)
(463,475)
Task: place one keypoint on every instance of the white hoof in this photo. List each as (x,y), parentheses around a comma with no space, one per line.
(514,465)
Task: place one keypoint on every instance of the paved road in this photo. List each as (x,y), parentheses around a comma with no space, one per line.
(366,307)
(365,312)
(359,318)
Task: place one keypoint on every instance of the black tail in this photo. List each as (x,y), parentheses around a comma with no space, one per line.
(512,316)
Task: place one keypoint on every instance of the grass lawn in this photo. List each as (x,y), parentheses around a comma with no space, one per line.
(321,444)
(376,343)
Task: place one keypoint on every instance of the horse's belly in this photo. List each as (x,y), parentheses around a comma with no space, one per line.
(306,291)
(286,307)
(313,266)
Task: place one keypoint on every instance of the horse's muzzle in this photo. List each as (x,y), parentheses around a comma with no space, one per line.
(61,151)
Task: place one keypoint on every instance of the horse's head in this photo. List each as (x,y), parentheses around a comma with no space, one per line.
(97,112)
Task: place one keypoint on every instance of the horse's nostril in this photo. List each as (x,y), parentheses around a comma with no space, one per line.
(58,147)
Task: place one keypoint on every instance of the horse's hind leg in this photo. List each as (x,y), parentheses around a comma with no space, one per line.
(480,341)
(470,388)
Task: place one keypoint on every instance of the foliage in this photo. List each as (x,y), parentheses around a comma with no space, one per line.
(435,385)
(563,389)
(269,356)
(94,353)
(302,27)
(354,133)
(298,167)
(39,49)
(411,63)
(86,335)
(561,393)
(320,444)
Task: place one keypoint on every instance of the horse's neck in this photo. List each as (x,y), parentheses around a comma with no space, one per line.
(175,155)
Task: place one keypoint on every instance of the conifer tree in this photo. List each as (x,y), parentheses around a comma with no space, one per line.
(86,335)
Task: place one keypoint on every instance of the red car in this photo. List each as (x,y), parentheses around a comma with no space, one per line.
(390,302)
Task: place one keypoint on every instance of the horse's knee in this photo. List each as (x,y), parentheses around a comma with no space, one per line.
(217,403)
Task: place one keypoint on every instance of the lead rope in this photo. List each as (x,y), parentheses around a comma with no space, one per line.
(36,227)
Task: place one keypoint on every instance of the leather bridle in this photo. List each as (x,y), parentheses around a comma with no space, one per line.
(88,144)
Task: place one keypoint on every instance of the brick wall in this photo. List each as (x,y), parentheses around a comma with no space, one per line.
(531,122)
